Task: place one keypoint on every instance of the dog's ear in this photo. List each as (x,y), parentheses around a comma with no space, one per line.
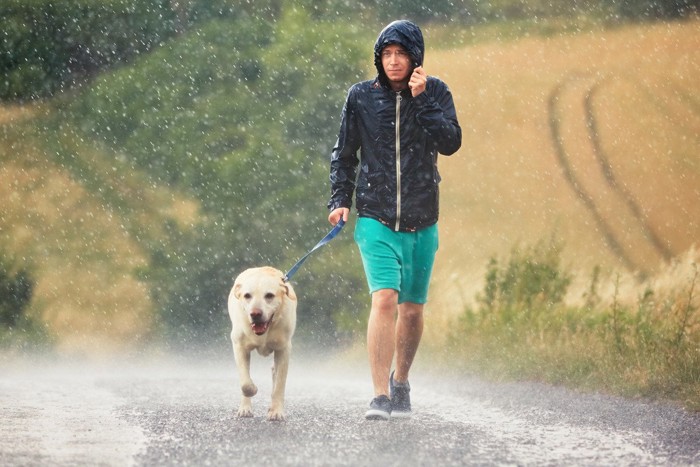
(237,289)
(289,291)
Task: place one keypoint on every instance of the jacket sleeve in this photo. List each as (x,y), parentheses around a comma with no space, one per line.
(437,115)
(344,158)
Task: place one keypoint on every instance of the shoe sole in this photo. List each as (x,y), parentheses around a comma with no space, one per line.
(399,414)
(377,415)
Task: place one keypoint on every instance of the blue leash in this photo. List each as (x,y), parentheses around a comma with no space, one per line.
(329,236)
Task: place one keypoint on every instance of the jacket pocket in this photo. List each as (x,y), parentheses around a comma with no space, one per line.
(373,192)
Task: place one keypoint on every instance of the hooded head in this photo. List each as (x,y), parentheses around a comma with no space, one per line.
(404,33)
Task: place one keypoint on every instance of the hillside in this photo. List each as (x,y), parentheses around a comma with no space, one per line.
(593,139)
(139,196)
(81,238)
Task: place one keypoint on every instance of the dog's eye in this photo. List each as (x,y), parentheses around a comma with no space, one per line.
(247,296)
(269,296)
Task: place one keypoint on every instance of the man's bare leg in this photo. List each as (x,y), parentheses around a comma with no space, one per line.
(409,330)
(380,338)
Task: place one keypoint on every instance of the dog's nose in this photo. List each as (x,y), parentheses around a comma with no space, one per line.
(256,313)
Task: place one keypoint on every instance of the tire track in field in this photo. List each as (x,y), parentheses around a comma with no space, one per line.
(570,176)
(605,166)
(587,170)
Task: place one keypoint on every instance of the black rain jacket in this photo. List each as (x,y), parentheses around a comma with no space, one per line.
(398,137)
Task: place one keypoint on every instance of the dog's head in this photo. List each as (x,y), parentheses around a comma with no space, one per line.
(262,293)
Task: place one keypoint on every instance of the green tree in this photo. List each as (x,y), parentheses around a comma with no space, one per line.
(240,113)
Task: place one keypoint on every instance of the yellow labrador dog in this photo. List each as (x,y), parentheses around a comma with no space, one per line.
(262,307)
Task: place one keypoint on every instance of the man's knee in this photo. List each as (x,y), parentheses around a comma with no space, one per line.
(385,300)
(411,311)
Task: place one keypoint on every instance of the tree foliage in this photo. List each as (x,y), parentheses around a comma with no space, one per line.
(240,113)
(47,46)
(50,45)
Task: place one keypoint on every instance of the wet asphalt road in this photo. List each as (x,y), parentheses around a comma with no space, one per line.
(180,412)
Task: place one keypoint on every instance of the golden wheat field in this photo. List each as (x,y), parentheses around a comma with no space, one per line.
(591,138)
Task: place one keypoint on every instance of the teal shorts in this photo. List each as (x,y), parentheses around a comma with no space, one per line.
(402,261)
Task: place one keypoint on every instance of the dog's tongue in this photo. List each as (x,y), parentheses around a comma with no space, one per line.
(260,328)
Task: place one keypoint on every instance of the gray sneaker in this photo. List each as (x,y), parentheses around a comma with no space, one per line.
(400,398)
(379,409)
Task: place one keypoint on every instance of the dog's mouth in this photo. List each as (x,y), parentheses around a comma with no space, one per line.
(260,327)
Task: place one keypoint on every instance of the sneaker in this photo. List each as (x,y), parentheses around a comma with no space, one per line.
(379,409)
(400,398)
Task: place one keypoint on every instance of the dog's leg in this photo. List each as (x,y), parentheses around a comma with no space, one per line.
(279,381)
(248,388)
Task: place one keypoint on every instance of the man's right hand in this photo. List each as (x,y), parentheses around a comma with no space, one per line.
(337,214)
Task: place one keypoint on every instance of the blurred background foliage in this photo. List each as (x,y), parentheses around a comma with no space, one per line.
(239,122)
(47,46)
(233,105)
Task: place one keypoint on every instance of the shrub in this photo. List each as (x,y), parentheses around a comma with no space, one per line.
(522,328)
(15,294)
(532,280)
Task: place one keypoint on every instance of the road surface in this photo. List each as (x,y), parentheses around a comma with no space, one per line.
(170,411)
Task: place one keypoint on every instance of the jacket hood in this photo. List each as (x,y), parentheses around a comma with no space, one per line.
(406,34)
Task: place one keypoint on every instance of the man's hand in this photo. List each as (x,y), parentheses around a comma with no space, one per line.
(338,213)
(417,81)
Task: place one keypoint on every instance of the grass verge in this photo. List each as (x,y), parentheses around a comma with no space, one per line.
(636,339)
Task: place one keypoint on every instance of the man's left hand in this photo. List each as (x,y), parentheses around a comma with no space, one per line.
(417,81)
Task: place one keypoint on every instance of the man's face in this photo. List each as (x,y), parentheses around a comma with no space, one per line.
(397,64)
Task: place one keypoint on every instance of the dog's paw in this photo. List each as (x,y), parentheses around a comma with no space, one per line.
(275,415)
(249,389)
(244,412)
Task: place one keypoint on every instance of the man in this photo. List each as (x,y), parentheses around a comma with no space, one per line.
(399,122)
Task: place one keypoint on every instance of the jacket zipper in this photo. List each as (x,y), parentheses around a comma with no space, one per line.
(398,161)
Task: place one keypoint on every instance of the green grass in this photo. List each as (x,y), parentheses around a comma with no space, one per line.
(642,348)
